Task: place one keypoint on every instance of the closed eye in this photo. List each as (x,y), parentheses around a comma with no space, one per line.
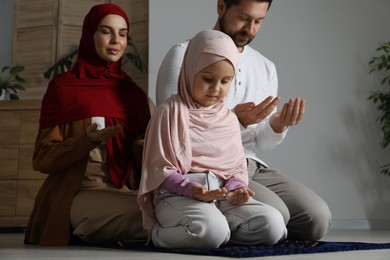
(207,79)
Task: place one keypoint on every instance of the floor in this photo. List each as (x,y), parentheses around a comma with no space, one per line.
(12,247)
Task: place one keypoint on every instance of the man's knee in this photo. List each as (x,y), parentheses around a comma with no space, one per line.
(312,224)
(319,223)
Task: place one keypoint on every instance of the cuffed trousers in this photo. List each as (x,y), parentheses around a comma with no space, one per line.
(102,213)
(186,222)
(307,216)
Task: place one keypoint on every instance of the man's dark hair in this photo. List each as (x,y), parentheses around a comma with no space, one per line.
(229,3)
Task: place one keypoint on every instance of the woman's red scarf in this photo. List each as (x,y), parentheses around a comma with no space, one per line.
(95,87)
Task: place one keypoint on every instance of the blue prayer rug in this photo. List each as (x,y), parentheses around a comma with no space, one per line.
(288,247)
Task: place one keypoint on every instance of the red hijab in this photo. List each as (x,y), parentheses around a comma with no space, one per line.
(95,87)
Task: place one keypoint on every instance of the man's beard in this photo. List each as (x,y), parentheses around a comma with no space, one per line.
(235,35)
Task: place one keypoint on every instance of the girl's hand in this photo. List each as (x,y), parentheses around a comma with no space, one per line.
(239,196)
(200,193)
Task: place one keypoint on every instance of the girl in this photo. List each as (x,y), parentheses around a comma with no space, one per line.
(193,190)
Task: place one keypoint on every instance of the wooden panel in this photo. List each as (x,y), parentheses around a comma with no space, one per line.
(68,41)
(34,49)
(137,10)
(13,221)
(9,127)
(9,162)
(35,13)
(27,190)
(7,198)
(72,12)
(29,126)
(17,105)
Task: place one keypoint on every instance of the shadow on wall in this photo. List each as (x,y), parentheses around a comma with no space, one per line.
(360,156)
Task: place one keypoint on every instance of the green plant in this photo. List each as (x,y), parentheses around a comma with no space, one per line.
(381,64)
(66,62)
(11,82)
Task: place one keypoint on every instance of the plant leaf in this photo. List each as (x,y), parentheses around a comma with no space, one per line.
(16,69)
(13,96)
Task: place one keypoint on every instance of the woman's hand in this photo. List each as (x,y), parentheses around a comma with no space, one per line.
(200,193)
(239,196)
(103,134)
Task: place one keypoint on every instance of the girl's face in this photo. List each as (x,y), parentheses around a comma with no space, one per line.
(111,38)
(211,84)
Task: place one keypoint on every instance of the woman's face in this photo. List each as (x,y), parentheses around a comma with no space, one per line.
(211,84)
(111,38)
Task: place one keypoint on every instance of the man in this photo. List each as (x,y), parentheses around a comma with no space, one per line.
(253,97)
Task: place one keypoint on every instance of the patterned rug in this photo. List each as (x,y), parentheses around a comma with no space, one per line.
(284,248)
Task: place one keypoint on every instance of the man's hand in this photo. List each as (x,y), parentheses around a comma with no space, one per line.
(103,134)
(250,113)
(291,114)
(239,196)
(200,193)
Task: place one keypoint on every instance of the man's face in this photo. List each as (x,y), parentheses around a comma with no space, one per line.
(242,22)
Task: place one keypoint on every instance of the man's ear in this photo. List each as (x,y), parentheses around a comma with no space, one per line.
(221,7)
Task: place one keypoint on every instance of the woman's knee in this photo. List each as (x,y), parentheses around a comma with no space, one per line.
(116,219)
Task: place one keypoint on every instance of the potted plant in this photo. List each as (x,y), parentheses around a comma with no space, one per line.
(66,62)
(11,82)
(381,65)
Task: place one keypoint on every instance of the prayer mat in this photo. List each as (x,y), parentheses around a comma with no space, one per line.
(288,247)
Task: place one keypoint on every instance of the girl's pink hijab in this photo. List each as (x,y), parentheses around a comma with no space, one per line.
(184,137)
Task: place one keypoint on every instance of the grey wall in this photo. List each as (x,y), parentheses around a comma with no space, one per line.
(321,50)
(6,28)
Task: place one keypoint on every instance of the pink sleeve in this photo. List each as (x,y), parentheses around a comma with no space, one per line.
(178,183)
(234,184)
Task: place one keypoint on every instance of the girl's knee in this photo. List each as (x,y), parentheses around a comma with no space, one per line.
(267,228)
(274,229)
(210,233)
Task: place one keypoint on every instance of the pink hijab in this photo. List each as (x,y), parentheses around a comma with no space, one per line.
(184,137)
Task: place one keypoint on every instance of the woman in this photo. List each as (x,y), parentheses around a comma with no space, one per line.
(194,185)
(91,119)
